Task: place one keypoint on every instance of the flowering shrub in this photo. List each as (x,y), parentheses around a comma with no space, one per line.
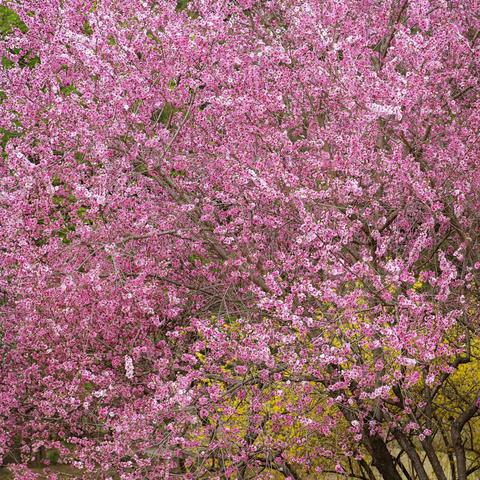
(239,238)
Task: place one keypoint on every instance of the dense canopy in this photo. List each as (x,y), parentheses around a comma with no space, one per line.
(239,239)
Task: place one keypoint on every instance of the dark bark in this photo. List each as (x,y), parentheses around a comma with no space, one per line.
(456,434)
(365,467)
(410,450)
(398,461)
(434,461)
(382,459)
(448,449)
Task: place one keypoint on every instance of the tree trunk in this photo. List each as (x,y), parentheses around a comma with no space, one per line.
(382,459)
(409,448)
(456,433)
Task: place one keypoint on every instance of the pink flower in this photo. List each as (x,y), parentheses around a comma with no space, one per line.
(129,372)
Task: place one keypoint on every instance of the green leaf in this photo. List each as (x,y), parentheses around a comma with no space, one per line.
(141,168)
(136,105)
(88,387)
(153,37)
(178,173)
(28,62)
(5,136)
(56,182)
(87,28)
(94,6)
(53,455)
(7,63)
(40,242)
(67,90)
(9,21)
(79,157)
(82,211)
(3,96)
(58,200)
(181,5)
(164,114)
(63,235)
(193,258)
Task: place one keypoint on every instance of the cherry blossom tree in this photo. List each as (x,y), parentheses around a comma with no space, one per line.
(240,238)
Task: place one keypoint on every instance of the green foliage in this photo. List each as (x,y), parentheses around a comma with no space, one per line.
(82,211)
(23,61)
(181,5)
(52,456)
(141,167)
(194,258)
(79,157)
(40,242)
(136,105)
(88,387)
(58,200)
(10,21)
(63,233)
(7,63)
(163,115)
(153,37)
(31,62)
(67,90)
(87,28)
(178,173)
(5,136)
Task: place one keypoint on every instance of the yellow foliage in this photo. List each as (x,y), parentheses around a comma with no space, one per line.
(417,285)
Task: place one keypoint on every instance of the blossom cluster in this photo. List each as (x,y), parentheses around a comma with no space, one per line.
(235,236)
